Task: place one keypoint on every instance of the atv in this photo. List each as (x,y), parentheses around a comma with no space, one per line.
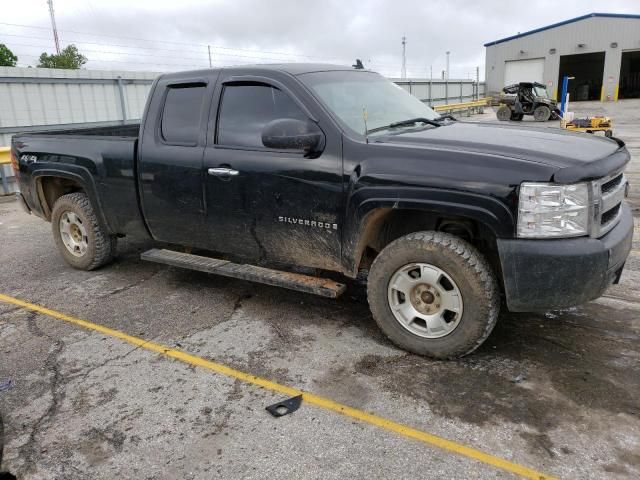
(526,98)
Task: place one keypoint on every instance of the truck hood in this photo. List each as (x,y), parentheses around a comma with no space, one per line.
(577,156)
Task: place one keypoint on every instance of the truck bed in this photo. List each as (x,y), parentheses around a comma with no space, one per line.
(100,158)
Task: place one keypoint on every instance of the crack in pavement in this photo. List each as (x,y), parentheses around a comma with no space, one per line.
(137,283)
(28,450)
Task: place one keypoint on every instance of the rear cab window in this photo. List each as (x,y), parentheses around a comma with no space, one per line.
(182,113)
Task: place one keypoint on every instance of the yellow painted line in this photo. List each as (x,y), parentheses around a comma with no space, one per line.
(310,398)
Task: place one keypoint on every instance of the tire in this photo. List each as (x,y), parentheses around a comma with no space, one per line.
(542,113)
(95,247)
(503,113)
(517,117)
(1,440)
(469,273)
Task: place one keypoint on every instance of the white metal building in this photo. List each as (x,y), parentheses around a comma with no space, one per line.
(601,50)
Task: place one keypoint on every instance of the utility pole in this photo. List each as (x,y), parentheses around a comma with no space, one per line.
(447,70)
(430,84)
(403,74)
(209,50)
(53,26)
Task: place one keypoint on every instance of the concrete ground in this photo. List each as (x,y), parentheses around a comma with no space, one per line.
(555,391)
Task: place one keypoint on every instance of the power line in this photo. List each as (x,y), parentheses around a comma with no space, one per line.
(135,63)
(151,52)
(195,48)
(172,42)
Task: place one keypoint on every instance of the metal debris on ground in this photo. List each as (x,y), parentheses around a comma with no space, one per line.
(285,407)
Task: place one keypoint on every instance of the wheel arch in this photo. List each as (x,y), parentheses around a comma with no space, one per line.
(51,184)
(380,221)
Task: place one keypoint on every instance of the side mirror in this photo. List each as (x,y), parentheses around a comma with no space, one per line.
(292,134)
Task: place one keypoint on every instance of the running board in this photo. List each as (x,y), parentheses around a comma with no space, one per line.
(293,281)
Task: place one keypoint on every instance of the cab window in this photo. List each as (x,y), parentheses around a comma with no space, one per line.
(246,108)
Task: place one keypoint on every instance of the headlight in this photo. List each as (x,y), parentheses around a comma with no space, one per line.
(547,210)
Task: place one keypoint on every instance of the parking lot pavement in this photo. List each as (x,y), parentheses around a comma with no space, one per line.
(556,391)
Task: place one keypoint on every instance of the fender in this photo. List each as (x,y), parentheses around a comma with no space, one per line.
(79,175)
(367,203)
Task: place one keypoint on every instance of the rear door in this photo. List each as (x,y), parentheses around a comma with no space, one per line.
(264,204)
(170,160)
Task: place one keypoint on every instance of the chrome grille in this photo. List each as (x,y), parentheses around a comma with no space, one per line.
(608,194)
(610,185)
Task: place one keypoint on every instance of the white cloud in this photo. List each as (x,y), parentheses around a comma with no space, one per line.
(252,31)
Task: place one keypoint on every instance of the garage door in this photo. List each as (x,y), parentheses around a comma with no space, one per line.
(524,71)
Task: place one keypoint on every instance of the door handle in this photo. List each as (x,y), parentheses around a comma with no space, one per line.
(223,172)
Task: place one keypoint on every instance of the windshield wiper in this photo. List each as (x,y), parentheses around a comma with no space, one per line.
(445,117)
(404,123)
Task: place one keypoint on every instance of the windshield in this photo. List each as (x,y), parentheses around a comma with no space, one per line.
(540,92)
(348,94)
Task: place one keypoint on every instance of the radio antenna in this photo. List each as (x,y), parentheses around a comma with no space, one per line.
(365,116)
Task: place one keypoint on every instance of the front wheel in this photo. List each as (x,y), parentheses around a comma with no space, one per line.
(542,113)
(433,294)
(80,239)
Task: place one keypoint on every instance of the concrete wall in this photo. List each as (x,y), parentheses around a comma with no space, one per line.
(440,92)
(596,33)
(38,98)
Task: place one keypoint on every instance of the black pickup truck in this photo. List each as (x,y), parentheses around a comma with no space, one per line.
(283,174)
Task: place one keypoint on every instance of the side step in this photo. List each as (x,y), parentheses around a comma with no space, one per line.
(293,281)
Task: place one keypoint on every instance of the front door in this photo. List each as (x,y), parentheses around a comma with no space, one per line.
(263,204)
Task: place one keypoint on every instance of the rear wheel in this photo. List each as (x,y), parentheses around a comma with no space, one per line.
(542,113)
(433,294)
(503,113)
(78,234)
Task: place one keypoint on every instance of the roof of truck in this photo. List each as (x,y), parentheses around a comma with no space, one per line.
(292,68)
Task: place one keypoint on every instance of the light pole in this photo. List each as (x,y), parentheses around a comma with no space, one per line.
(403,73)
(447,71)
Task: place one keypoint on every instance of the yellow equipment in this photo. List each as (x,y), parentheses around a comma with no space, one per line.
(590,125)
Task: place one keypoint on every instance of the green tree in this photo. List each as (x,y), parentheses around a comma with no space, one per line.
(7,58)
(68,58)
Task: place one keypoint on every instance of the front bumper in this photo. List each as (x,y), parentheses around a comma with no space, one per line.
(547,274)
